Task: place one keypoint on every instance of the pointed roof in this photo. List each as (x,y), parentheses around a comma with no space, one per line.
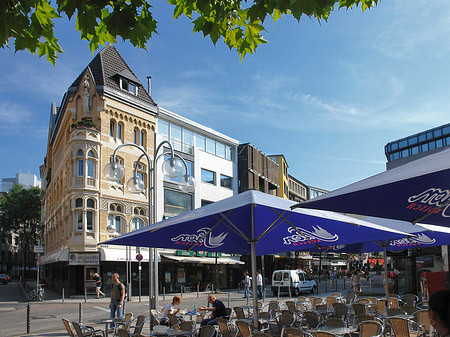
(106,68)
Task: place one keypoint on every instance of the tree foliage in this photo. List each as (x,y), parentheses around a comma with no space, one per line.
(30,23)
(20,213)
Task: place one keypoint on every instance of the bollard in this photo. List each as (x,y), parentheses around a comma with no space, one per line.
(28,318)
(289,288)
(198,290)
(164,294)
(80,315)
(228,300)
(278,292)
(344,283)
(181,291)
(85,295)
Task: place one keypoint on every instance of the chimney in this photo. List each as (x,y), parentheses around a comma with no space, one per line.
(149,80)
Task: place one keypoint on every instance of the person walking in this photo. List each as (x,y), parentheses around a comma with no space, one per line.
(247,285)
(117,298)
(98,285)
(355,282)
(259,284)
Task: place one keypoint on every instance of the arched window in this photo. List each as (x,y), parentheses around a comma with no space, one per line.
(79,202)
(139,211)
(137,223)
(115,217)
(112,128)
(90,204)
(78,214)
(143,138)
(80,163)
(136,136)
(91,164)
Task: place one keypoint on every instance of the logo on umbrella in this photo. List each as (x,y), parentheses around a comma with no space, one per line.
(430,201)
(420,239)
(302,235)
(203,237)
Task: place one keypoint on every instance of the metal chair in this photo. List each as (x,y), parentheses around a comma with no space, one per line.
(409,300)
(359,309)
(244,328)
(315,301)
(68,327)
(333,322)
(363,300)
(409,309)
(154,316)
(226,328)
(364,317)
(240,313)
(421,318)
(294,332)
(394,312)
(370,328)
(228,312)
(349,298)
(173,319)
(285,320)
(331,300)
(402,327)
(207,331)
(128,318)
(312,319)
(188,326)
(324,334)
(340,310)
(86,331)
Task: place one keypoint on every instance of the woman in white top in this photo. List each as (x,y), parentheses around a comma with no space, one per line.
(169,308)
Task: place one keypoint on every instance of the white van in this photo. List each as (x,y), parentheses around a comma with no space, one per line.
(298,280)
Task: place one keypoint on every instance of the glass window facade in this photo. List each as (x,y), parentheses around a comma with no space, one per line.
(176,203)
(226,181)
(418,143)
(184,140)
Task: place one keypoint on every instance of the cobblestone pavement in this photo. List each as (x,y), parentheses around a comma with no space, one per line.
(45,317)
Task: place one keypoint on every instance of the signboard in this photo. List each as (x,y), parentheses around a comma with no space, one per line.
(139,257)
(351,258)
(184,253)
(181,276)
(214,254)
(84,259)
(38,249)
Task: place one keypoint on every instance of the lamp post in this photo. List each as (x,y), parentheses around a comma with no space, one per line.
(171,168)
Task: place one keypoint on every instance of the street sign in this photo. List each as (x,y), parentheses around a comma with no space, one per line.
(39,249)
(351,258)
(139,257)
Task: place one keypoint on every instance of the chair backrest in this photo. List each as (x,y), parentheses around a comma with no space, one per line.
(140,321)
(321,307)
(187,326)
(409,299)
(315,301)
(312,319)
(291,306)
(363,300)
(260,334)
(409,309)
(68,327)
(399,326)
(223,327)
(340,311)
(336,295)
(173,319)
(359,309)
(421,318)
(364,317)
(372,299)
(240,314)
(349,298)
(244,328)
(206,331)
(324,334)
(394,302)
(370,329)
(291,331)
(77,329)
(334,322)
(228,312)
(301,298)
(284,320)
(381,306)
(394,311)
(127,318)
(330,300)
(273,305)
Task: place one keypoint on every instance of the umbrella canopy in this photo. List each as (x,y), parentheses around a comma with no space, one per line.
(254,223)
(418,191)
(421,236)
(231,225)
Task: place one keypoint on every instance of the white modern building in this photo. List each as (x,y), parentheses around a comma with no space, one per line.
(24,179)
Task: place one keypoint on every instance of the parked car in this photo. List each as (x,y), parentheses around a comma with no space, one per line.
(297,280)
(4,278)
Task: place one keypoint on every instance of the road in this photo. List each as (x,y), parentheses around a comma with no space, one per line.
(45,317)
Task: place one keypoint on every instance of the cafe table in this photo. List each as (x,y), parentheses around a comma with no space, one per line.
(107,322)
(334,330)
(172,333)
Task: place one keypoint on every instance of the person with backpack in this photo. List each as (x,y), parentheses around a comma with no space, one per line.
(117,298)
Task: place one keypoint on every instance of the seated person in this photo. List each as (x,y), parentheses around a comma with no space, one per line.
(169,309)
(218,310)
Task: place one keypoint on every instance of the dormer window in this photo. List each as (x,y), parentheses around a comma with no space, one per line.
(128,86)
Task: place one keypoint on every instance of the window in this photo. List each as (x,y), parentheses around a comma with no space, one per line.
(90,203)
(79,220)
(431,146)
(116,220)
(402,143)
(425,147)
(136,136)
(220,150)
(163,127)
(112,129)
(128,86)
(188,141)
(143,143)
(120,131)
(446,130)
(89,220)
(229,153)
(437,133)
(414,150)
(139,211)
(80,170)
(438,143)
(79,202)
(208,176)
(422,137)
(412,141)
(405,153)
(137,223)
(200,142)
(210,146)
(119,160)
(394,146)
(176,203)
(225,181)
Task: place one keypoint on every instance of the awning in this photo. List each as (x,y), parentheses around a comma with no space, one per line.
(120,254)
(61,256)
(203,260)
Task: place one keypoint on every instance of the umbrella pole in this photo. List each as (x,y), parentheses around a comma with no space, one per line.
(386,286)
(255,292)
(253,266)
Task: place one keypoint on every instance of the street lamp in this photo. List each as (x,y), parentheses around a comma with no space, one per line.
(171,168)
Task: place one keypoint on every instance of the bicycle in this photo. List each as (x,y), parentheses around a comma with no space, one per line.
(36,294)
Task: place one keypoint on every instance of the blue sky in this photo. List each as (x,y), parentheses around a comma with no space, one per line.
(328,96)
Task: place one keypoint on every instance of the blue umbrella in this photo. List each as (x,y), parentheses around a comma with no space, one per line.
(418,191)
(254,223)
